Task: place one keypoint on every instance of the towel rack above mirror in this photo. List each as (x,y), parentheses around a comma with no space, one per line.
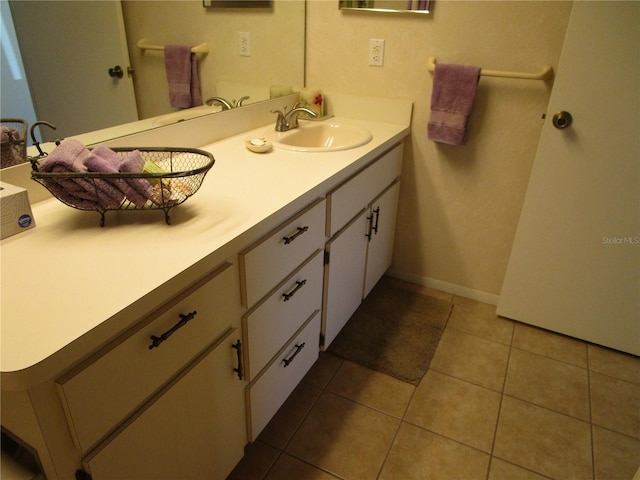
(143,45)
(545,73)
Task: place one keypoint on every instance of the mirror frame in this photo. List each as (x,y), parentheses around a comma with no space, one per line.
(236,3)
(346,5)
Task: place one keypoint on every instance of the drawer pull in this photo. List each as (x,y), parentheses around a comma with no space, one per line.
(238,348)
(287,361)
(299,285)
(301,230)
(181,323)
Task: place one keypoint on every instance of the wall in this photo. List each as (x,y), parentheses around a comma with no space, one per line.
(459,206)
(277,46)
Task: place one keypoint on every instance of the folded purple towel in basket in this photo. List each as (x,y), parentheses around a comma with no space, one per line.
(108,189)
(68,157)
(454,90)
(141,189)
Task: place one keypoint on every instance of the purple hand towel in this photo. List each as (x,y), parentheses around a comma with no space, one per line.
(182,74)
(139,189)
(104,160)
(454,90)
(69,157)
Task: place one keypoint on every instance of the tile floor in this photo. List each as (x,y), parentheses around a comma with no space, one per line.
(501,400)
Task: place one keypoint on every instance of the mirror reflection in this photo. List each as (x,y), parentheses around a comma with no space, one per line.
(397,6)
(244,59)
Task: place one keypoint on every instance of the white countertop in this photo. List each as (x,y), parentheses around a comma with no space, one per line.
(69,285)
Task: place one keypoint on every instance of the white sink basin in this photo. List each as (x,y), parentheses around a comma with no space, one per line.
(323,136)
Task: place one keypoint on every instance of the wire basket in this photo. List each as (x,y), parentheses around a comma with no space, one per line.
(179,174)
(13,142)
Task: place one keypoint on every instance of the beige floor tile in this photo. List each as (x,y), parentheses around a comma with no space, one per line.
(258,459)
(471,358)
(419,454)
(455,409)
(323,370)
(289,468)
(616,456)
(615,404)
(550,344)
(543,441)
(344,438)
(615,364)
(371,388)
(501,470)
(480,319)
(548,383)
(288,418)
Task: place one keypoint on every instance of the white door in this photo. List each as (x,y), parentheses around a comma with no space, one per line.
(575,263)
(68,49)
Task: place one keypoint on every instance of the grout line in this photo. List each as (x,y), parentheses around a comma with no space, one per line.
(593,452)
(504,383)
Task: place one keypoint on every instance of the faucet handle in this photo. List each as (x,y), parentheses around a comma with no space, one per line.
(281,121)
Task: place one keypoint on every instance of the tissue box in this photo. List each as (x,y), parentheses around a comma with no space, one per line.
(15,210)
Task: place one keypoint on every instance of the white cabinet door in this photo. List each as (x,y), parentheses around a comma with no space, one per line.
(344,279)
(382,233)
(195,429)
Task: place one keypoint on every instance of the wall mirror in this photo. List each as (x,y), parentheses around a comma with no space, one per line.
(390,6)
(224,71)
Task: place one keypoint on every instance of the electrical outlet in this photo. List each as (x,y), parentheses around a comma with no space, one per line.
(376,52)
(245,44)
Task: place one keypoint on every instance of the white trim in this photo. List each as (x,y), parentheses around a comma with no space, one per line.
(447,287)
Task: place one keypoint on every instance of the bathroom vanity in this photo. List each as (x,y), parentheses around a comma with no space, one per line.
(142,350)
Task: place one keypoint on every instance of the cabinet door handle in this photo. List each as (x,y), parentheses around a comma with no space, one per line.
(238,348)
(377,212)
(156,341)
(301,230)
(369,227)
(287,361)
(299,285)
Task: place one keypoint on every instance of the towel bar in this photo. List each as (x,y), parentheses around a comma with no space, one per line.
(143,45)
(545,73)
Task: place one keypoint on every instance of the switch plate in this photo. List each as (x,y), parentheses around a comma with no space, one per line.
(245,44)
(376,52)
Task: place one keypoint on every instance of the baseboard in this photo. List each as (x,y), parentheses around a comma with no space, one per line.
(447,287)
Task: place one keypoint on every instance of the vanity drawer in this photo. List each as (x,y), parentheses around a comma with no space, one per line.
(107,388)
(348,199)
(271,323)
(267,262)
(269,391)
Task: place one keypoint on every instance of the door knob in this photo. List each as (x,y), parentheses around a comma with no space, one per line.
(116,72)
(562,120)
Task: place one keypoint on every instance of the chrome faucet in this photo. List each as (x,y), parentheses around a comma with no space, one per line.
(225,105)
(239,102)
(287,121)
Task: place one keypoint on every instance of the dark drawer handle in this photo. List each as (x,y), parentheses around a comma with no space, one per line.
(287,361)
(299,285)
(181,323)
(301,230)
(238,348)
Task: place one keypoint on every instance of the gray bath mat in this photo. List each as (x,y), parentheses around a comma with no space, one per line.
(394,331)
